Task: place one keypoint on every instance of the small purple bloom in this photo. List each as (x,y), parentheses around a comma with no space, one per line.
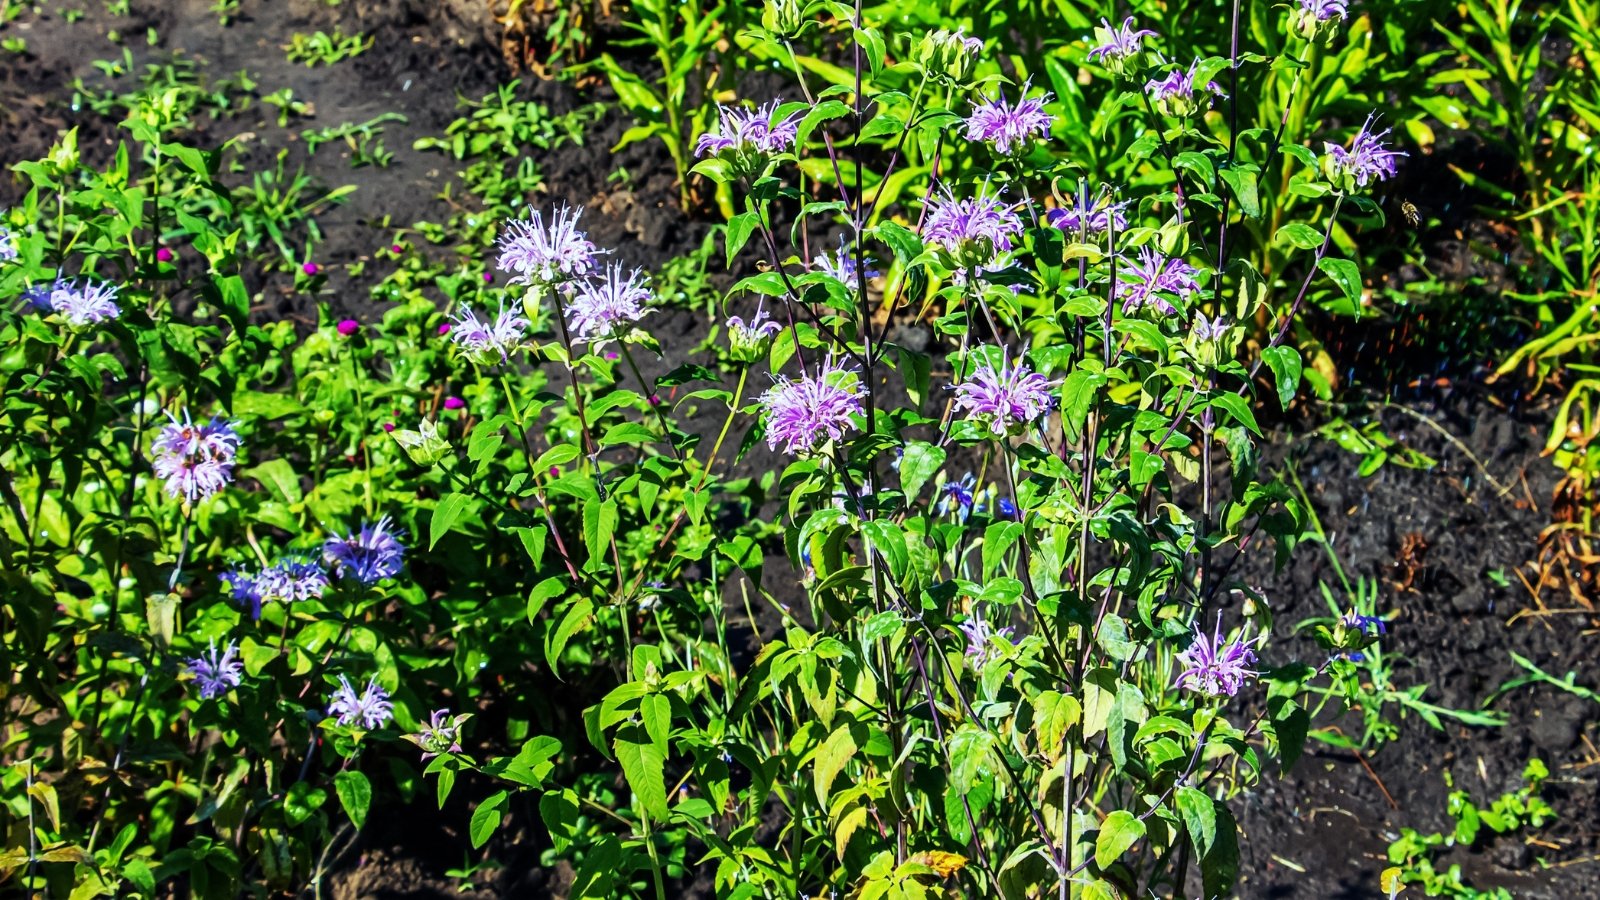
(311,268)
(195,461)
(1316,17)
(444,328)
(1010,128)
(1088,216)
(606,308)
(372,708)
(749,337)
(1118,45)
(396,248)
(348,327)
(82,303)
(388,426)
(535,254)
(215,674)
(487,343)
(1208,330)
(164,255)
(369,555)
(803,412)
(749,135)
(841,266)
(1214,668)
(1364,624)
(289,580)
(1008,510)
(1174,95)
(442,734)
(8,245)
(1009,397)
(1366,160)
(980,636)
(1138,285)
(972,231)
(957,496)
(454,403)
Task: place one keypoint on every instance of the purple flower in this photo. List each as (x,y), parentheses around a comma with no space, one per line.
(1010,128)
(535,254)
(841,265)
(369,555)
(8,245)
(289,580)
(195,461)
(1118,46)
(444,328)
(348,327)
(81,303)
(973,232)
(957,497)
(442,734)
(1008,510)
(1214,668)
(163,255)
(1208,330)
(1009,397)
(1174,94)
(1138,285)
(1364,624)
(1089,216)
(214,674)
(1324,10)
(980,636)
(454,403)
(311,268)
(1366,160)
(372,708)
(948,56)
(802,412)
(606,308)
(747,136)
(486,343)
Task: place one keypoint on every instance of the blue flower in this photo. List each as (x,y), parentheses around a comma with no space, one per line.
(369,555)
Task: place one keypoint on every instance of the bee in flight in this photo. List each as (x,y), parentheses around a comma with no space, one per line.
(1409,210)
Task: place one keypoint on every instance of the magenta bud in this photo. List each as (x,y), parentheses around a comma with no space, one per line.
(310,268)
(655,399)
(612,356)
(388,426)
(164,255)
(444,328)
(396,248)
(349,327)
(454,403)
(555,471)
(488,278)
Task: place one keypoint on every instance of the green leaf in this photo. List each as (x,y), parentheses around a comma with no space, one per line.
(1299,235)
(542,593)
(656,711)
(831,758)
(1243,182)
(444,516)
(1199,813)
(1286,368)
(532,542)
(355,795)
(578,617)
(917,466)
(1346,274)
(644,765)
(1219,868)
(278,476)
(1237,408)
(486,818)
(915,369)
(740,227)
(1117,833)
(599,524)
(972,757)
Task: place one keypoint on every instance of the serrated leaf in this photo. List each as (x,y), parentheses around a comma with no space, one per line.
(644,765)
(1345,274)
(1118,832)
(919,464)
(740,227)
(831,758)
(1199,814)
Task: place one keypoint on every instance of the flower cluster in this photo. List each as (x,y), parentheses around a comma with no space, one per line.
(1010,129)
(980,638)
(948,56)
(371,708)
(195,461)
(8,245)
(972,232)
(369,555)
(1366,160)
(1089,216)
(1174,95)
(802,412)
(749,340)
(538,255)
(1118,48)
(1146,282)
(1317,18)
(1005,398)
(747,138)
(289,580)
(441,735)
(79,303)
(606,308)
(215,675)
(486,343)
(1213,667)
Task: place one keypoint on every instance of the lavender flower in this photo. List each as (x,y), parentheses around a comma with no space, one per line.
(749,340)
(949,56)
(214,674)
(372,708)
(83,303)
(425,445)
(289,580)
(1010,128)
(195,461)
(1368,625)
(8,245)
(535,254)
(442,734)
(605,309)
(980,636)
(1174,95)
(747,138)
(1118,47)
(957,497)
(1366,160)
(1011,396)
(972,232)
(802,412)
(1316,18)
(1087,216)
(1214,668)
(369,555)
(1208,331)
(841,265)
(1144,282)
(484,343)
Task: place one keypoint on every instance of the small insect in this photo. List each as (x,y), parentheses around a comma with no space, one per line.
(1409,210)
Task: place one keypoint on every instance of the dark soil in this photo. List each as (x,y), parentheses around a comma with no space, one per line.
(1459,609)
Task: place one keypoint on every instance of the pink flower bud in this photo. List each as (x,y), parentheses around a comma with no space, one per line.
(349,327)
(164,255)
(454,403)
(388,426)
(444,328)
(488,278)
(310,268)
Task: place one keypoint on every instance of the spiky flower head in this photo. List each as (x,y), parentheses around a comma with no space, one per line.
(841,265)
(606,308)
(804,412)
(216,674)
(289,580)
(957,497)
(1006,398)
(1148,281)
(371,707)
(1214,666)
(441,735)
(557,254)
(1174,95)
(750,340)
(1010,128)
(1119,48)
(970,232)
(747,138)
(369,555)
(486,343)
(195,461)
(1319,19)
(980,638)
(1366,160)
(82,303)
(1087,216)
(948,56)
(426,445)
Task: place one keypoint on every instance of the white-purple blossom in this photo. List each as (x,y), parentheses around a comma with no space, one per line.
(536,254)
(1212,666)
(216,674)
(371,707)
(803,412)
(1366,160)
(1001,399)
(1089,216)
(980,636)
(957,497)
(195,461)
(748,340)
(744,132)
(605,309)
(1147,281)
(83,302)
(1118,46)
(972,231)
(485,342)
(289,580)
(1010,128)
(1174,95)
(1207,330)
(442,734)
(841,265)
(8,245)
(369,555)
